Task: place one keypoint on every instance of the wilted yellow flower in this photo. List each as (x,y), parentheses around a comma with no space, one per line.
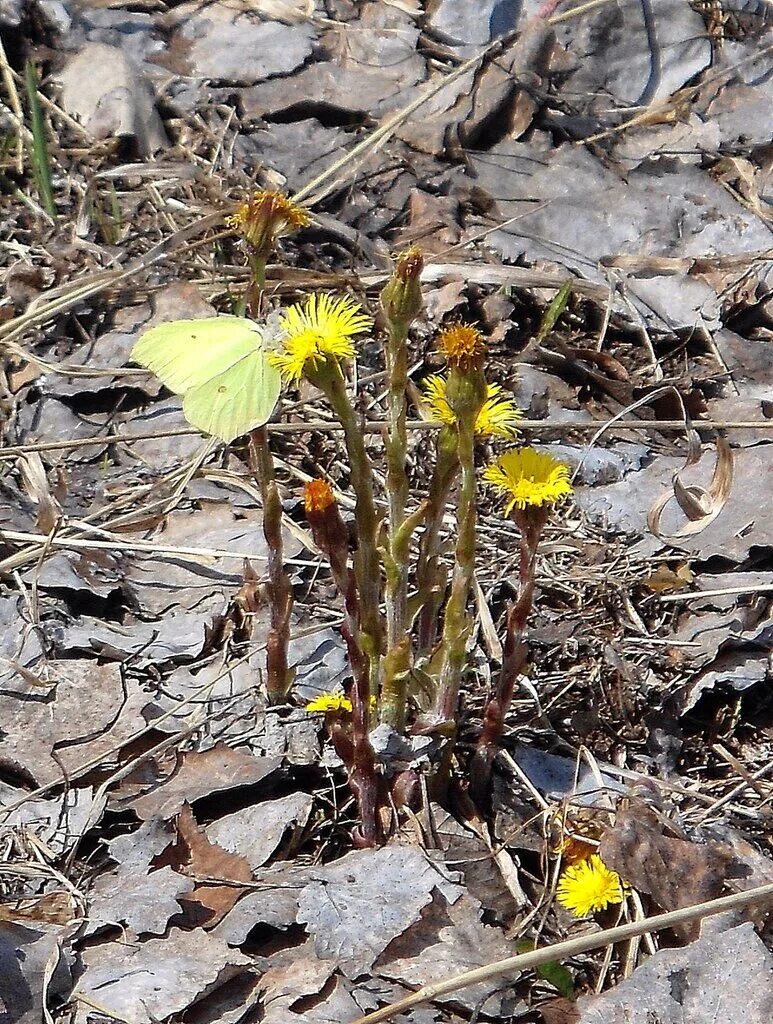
(463,346)
(334,701)
(321,328)
(528,477)
(496,418)
(317,496)
(264,217)
(589,886)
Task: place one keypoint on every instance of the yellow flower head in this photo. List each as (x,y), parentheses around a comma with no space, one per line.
(463,346)
(334,701)
(589,886)
(317,496)
(319,329)
(528,477)
(496,418)
(264,217)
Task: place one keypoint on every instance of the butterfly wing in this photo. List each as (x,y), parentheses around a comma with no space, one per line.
(187,354)
(237,400)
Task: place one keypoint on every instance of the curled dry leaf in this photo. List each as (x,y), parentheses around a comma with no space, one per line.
(700,505)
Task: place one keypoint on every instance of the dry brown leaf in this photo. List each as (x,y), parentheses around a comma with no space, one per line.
(665,580)
(34,480)
(197,774)
(674,872)
(202,859)
(52,908)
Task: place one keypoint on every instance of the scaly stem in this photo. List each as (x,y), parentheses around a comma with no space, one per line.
(456,625)
(397,663)
(428,577)
(397,479)
(280,593)
(257,285)
(531,521)
(366,560)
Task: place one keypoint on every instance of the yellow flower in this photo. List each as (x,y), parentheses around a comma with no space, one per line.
(335,701)
(264,217)
(589,886)
(463,346)
(320,329)
(497,416)
(528,477)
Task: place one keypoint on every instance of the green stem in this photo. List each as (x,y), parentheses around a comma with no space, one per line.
(397,663)
(41,162)
(257,285)
(397,481)
(428,577)
(456,625)
(367,566)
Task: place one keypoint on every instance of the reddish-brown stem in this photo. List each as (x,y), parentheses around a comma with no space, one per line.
(355,748)
(531,522)
(280,593)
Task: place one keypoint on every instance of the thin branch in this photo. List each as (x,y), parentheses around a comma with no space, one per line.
(376,427)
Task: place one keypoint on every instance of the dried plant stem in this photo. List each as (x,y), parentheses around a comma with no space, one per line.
(531,522)
(280,593)
(456,624)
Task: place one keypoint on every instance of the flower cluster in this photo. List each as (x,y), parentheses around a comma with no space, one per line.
(497,416)
(330,702)
(317,496)
(462,345)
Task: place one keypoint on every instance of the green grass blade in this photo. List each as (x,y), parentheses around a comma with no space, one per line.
(41,163)
(554,310)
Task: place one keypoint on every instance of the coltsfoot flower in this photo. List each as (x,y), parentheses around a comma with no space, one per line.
(317,330)
(589,886)
(265,216)
(463,346)
(528,477)
(497,417)
(333,701)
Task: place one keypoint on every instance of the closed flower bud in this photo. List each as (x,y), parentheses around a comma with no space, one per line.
(401,295)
